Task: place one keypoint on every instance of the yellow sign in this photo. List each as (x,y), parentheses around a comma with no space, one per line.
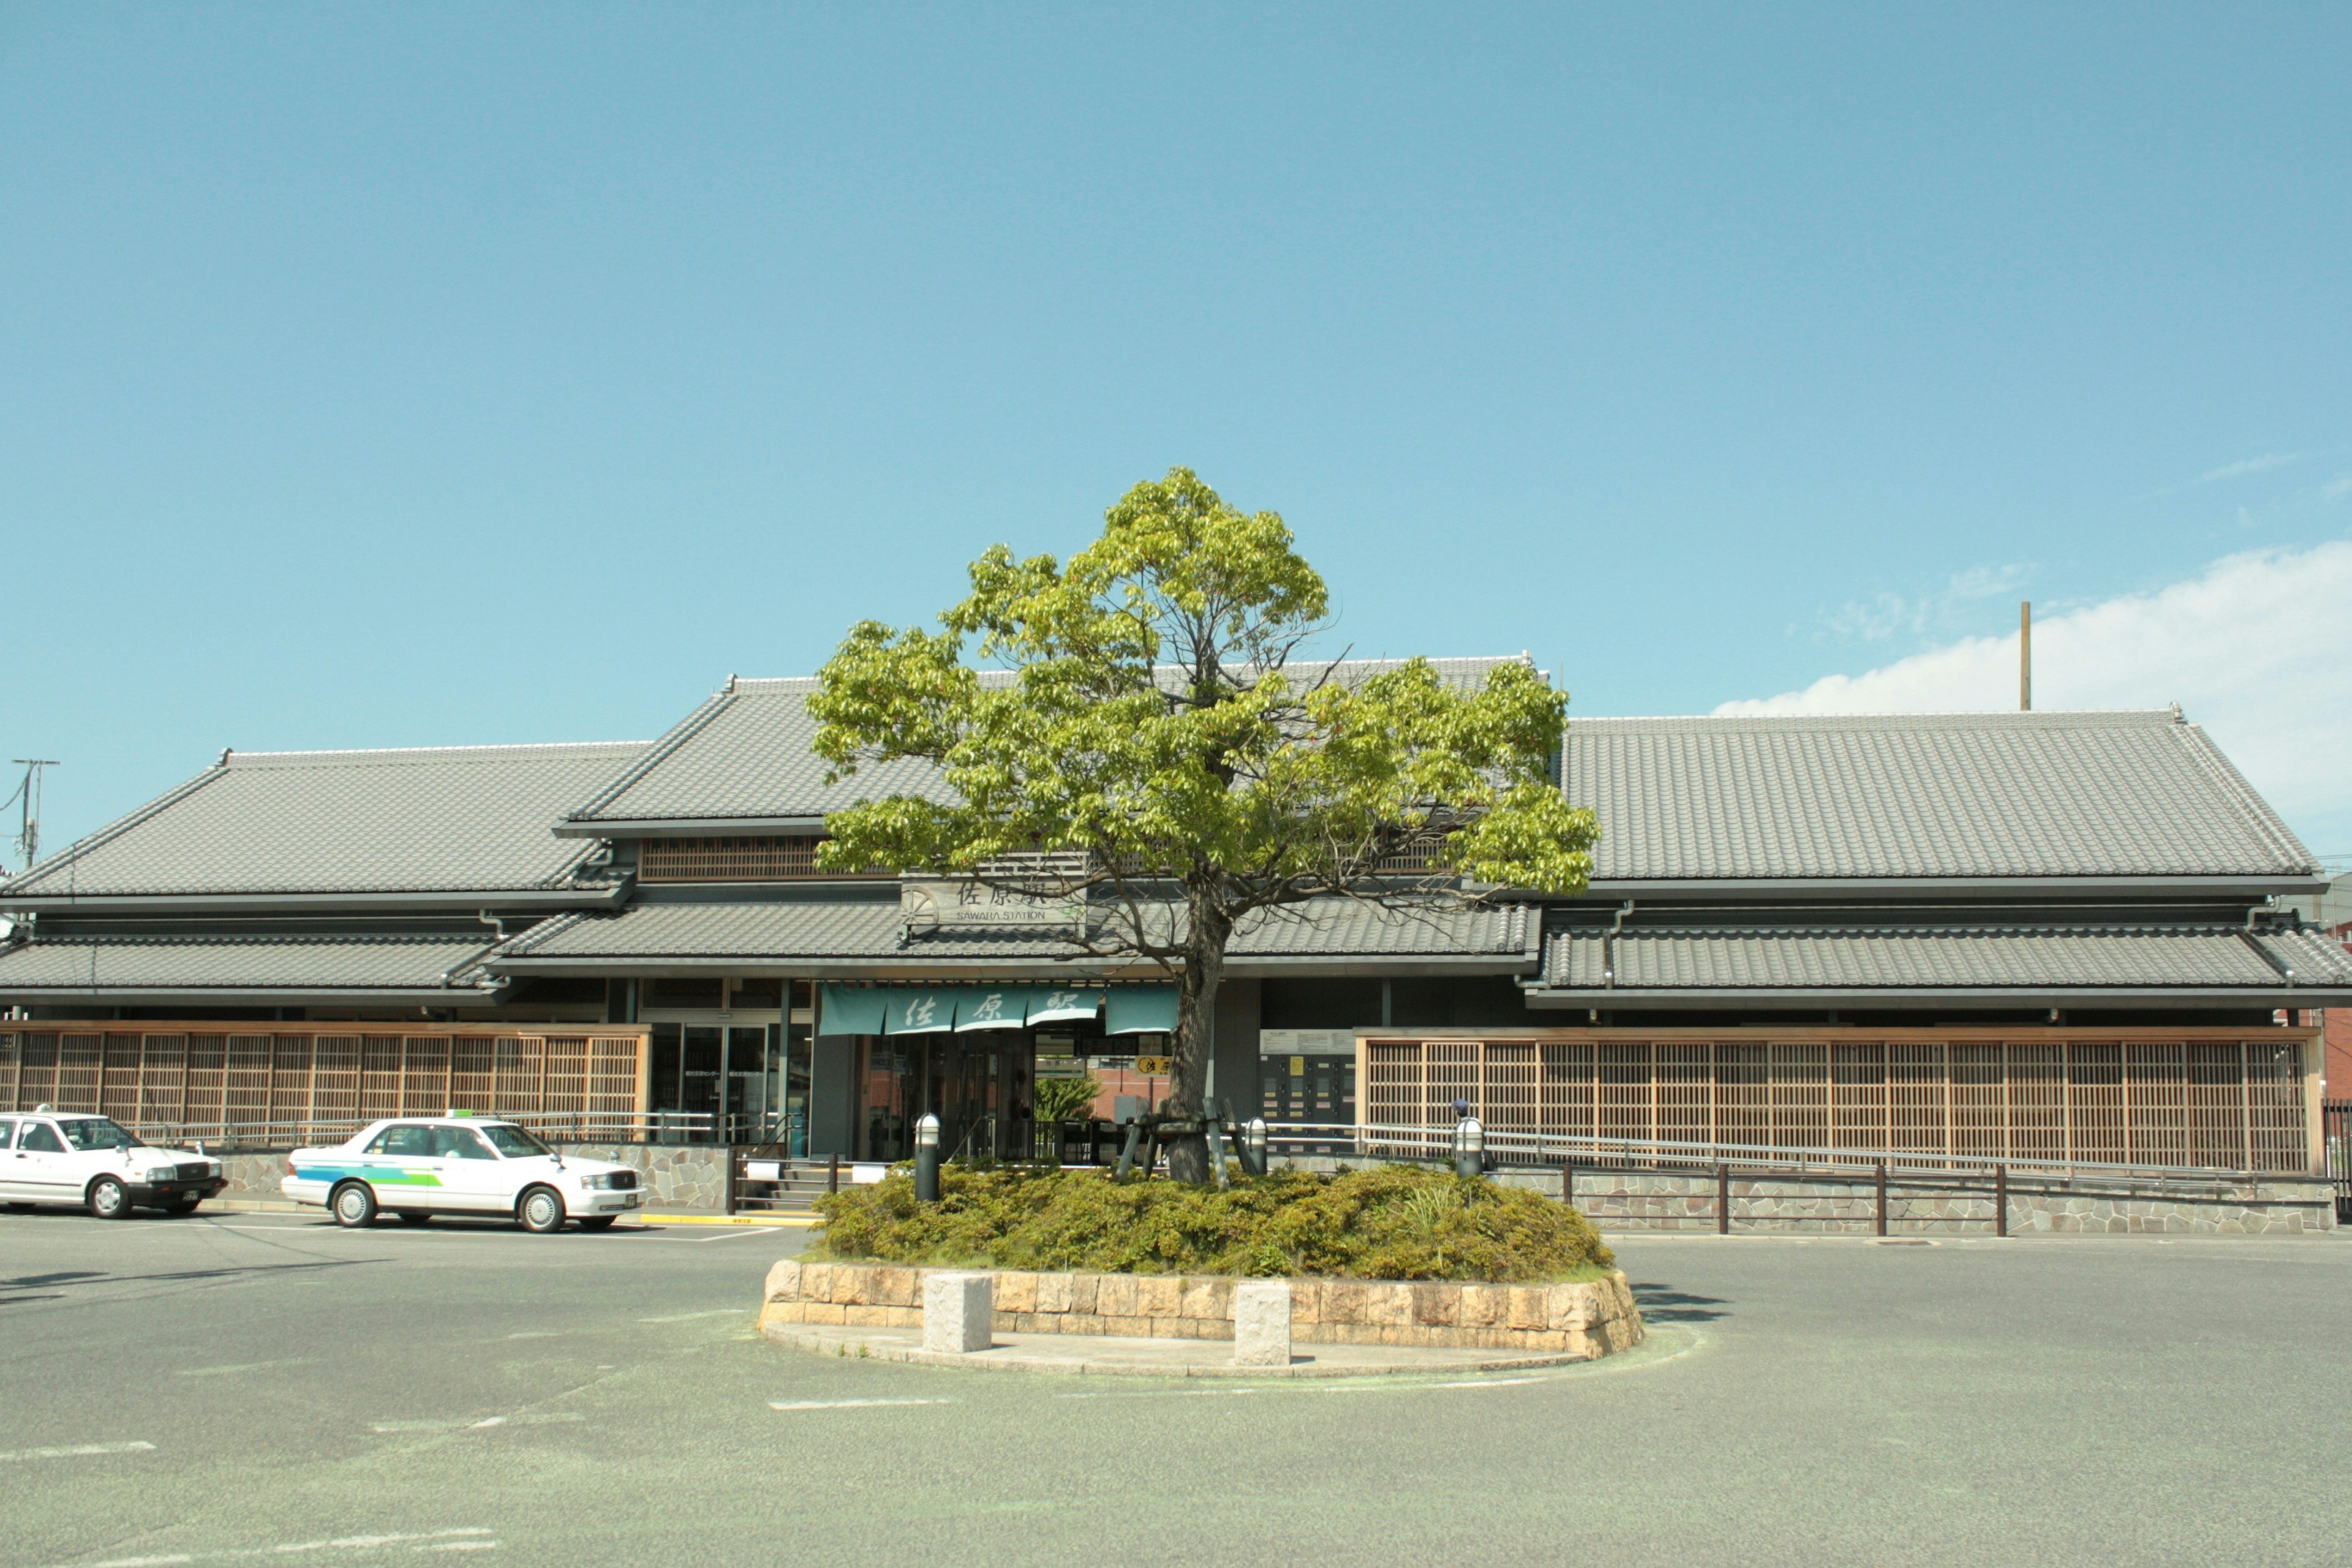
(1298,1066)
(1152,1067)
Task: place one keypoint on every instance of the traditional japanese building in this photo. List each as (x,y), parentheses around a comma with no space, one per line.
(2061,935)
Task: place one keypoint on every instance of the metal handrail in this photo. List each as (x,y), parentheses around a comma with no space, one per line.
(1509,1147)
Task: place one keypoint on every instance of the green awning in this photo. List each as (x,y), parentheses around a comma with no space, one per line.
(850,1010)
(921,1009)
(993,1007)
(1140,1010)
(1065,1004)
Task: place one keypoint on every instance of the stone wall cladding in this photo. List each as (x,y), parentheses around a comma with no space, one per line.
(683,1177)
(1616,1201)
(1592,1318)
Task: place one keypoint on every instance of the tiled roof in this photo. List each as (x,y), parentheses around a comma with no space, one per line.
(1952,794)
(1933,957)
(444,819)
(247,964)
(869,930)
(745,754)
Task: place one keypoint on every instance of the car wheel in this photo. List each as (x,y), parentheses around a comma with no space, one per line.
(597,1222)
(108,1200)
(410,1218)
(353,1205)
(541,1211)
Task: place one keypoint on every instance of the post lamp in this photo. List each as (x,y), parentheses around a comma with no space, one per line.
(1254,1146)
(927,1159)
(1469,1147)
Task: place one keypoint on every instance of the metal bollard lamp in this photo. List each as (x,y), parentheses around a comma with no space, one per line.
(927,1159)
(1254,1146)
(1469,1147)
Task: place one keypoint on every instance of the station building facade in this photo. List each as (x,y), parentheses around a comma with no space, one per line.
(2062,935)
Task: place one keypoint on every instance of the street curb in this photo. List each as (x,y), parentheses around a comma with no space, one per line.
(771,1220)
(845,1347)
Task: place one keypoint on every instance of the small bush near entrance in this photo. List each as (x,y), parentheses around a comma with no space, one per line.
(1397,1222)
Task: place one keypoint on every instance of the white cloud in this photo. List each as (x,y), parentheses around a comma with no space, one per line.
(1882,615)
(2257,648)
(2261,465)
(2336,489)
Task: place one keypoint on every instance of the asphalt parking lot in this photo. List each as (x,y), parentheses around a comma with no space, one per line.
(225,1388)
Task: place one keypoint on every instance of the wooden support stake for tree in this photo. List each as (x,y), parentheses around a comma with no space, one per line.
(1723,1200)
(1882,1197)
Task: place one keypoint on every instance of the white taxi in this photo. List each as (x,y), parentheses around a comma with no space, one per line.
(89,1161)
(419,1166)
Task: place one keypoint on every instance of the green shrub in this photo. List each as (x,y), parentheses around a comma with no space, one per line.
(1064,1098)
(1396,1222)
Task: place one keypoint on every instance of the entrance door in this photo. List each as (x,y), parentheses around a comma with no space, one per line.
(701,1068)
(749,1117)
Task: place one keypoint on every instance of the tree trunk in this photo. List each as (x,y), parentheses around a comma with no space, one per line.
(1206,933)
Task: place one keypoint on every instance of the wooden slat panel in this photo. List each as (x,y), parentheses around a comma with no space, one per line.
(1743,1091)
(1685,1090)
(2094,1101)
(2037,1102)
(2156,1098)
(2217,1105)
(78,1060)
(163,1080)
(118,1078)
(2274,1108)
(1622,1107)
(1801,1095)
(1978,1103)
(1506,1099)
(1858,1106)
(203,1100)
(1918,1099)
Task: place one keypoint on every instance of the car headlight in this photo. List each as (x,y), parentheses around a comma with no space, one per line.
(159,1174)
(601,1181)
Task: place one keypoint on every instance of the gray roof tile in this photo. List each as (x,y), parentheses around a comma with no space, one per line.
(869,930)
(1925,957)
(745,754)
(1953,795)
(443,819)
(233,964)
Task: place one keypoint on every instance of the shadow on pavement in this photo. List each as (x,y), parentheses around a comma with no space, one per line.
(1665,1304)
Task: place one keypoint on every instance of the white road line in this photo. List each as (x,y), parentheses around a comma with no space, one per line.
(527,1419)
(1487,1382)
(79,1451)
(465,1540)
(247,1367)
(846,1403)
(690,1317)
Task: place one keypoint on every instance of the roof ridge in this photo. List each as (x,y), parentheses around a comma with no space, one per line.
(2036,719)
(235,758)
(685,730)
(65,858)
(2265,821)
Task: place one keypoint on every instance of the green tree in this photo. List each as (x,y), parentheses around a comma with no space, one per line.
(1154,710)
(1064,1098)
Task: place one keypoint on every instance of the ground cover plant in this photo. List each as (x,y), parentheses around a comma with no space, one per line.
(1395,1222)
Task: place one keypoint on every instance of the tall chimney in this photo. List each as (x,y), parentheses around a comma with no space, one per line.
(2025,655)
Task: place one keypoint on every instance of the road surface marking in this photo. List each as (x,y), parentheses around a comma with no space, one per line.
(247,1367)
(846,1403)
(528,1418)
(690,1317)
(430,1541)
(79,1451)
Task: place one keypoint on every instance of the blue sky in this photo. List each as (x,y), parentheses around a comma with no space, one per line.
(379,375)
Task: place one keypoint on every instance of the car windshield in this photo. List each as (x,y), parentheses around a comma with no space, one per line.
(97,1133)
(512,1141)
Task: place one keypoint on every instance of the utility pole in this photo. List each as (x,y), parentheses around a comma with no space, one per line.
(28,835)
(2025,655)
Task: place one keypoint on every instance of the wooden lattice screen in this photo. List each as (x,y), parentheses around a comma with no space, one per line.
(251,1080)
(760,858)
(2230,1100)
